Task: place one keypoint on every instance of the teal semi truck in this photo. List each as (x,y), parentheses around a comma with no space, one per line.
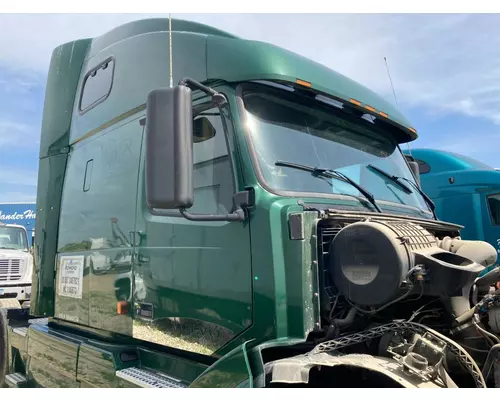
(465,191)
(253,224)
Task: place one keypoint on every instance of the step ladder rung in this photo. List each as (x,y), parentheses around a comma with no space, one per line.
(23,331)
(15,380)
(147,379)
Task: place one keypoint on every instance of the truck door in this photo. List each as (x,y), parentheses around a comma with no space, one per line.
(192,280)
(491,220)
(99,202)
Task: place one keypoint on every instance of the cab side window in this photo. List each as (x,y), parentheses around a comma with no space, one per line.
(213,177)
(494,207)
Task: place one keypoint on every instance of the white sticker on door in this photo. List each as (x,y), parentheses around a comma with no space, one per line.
(71,276)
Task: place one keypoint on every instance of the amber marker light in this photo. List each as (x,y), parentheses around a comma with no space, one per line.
(122,308)
(303,83)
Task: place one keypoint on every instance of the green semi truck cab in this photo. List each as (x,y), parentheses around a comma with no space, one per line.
(255,224)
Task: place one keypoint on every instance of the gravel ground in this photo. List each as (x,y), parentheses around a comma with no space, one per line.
(152,334)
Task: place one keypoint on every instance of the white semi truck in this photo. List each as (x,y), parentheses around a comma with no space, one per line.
(16,264)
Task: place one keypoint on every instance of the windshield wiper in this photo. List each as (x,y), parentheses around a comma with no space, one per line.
(427,199)
(393,178)
(315,171)
(396,179)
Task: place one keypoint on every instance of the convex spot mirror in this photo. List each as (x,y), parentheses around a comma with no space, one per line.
(203,130)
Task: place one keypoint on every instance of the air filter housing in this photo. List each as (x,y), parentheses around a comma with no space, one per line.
(369,261)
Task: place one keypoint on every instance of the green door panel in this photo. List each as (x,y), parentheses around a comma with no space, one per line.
(98,215)
(193,280)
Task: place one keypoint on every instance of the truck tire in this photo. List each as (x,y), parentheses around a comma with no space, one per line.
(4,355)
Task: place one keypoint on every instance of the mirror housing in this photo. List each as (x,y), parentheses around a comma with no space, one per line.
(169,148)
(169,151)
(414,168)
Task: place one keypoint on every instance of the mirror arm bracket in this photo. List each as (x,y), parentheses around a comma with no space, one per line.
(241,201)
(237,215)
(217,98)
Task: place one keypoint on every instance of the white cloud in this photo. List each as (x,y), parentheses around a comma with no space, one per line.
(17,197)
(16,134)
(15,83)
(17,177)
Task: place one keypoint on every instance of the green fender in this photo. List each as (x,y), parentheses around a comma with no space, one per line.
(231,371)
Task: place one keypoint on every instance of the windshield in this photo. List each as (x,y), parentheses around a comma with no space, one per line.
(287,127)
(13,238)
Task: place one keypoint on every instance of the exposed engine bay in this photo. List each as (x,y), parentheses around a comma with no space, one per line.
(402,305)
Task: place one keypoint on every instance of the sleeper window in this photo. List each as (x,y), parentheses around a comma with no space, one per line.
(97,85)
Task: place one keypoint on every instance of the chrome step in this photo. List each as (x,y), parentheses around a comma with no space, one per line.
(147,379)
(20,331)
(15,380)
(38,321)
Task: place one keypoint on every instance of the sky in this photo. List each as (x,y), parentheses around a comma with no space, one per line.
(445,69)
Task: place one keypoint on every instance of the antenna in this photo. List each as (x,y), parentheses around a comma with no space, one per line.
(170,39)
(394,94)
(390,80)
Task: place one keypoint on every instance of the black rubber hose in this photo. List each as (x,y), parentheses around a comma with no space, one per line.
(347,320)
(333,330)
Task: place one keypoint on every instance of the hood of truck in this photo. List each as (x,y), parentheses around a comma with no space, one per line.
(12,253)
